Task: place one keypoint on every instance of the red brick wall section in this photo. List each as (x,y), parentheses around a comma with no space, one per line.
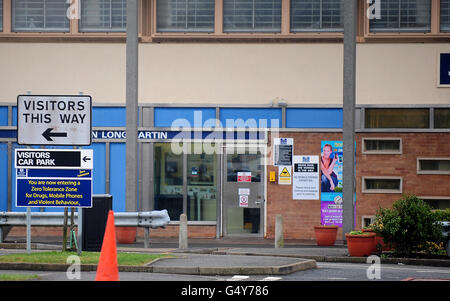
(170,231)
(414,145)
(300,216)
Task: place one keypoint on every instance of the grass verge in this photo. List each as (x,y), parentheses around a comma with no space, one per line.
(18,277)
(123,258)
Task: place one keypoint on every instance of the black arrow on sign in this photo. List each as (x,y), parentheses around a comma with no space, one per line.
(86,159)
(48,134)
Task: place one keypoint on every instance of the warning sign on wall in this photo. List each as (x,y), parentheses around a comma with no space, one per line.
(285,175)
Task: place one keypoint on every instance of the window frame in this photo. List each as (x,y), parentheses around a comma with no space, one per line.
(389,191)
(435,34)
(426,199)
(148,34)
(381,152)
(99,30)
(220,34)
(38,30)
(432,172)
(368,217)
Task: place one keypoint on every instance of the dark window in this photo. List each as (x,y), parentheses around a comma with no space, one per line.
(434,165)
(442,118)
(397,118)
(382,145)
(382,184)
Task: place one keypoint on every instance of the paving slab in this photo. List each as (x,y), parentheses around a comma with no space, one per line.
(205,264)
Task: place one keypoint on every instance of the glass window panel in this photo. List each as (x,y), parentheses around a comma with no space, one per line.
(403,15)
(316,15)
(103,15)
(252,15)
(381,145)
(168,180)
(185,16)
(238,164)
(445,15)
(396,118)
(202,181)
(434,165)
(40,15)
(382,184)
(438,203)
(1,15)
(442,118)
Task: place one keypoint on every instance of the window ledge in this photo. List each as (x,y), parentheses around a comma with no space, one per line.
(403,37)
(62,37)
(245,37)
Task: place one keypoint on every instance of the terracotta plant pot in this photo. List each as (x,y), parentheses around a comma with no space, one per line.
(375,242)
(360,245)
(379,241)
(325,235)
(125,235)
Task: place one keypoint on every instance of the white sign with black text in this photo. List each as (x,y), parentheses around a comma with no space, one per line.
(54,120)
(306,184)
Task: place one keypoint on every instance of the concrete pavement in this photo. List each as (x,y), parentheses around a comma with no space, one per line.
(227,256)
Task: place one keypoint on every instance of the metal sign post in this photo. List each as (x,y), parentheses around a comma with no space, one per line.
(349,91)
(132,54)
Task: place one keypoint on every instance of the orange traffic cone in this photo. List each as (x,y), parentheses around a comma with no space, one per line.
(107,269)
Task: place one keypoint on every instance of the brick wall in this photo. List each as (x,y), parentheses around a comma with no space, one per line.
(171,231)
(300,216)
(414,145)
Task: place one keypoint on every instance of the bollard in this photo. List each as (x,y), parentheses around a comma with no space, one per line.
(183,236)
(279,241)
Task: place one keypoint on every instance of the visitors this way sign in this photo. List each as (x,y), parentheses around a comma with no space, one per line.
(54,120)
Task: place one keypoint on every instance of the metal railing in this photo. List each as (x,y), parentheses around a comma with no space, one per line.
(147,219)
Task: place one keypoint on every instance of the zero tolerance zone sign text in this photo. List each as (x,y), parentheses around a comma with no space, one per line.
(54,120)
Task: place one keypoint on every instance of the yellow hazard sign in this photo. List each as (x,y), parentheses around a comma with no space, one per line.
(284,175)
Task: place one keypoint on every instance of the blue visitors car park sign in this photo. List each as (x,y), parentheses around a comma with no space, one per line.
(54,178)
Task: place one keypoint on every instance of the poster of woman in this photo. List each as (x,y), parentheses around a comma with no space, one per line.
(331,182)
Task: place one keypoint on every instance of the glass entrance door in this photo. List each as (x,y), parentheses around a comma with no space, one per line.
(186,182)
(243,192)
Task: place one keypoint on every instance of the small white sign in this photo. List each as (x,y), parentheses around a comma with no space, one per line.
(244,191)
(54,120)
(243,201)
(244,176)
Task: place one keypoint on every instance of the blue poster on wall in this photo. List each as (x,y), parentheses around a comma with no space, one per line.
(444,77)
(331,182)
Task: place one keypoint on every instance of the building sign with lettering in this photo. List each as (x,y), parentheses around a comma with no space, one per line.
(282,151)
